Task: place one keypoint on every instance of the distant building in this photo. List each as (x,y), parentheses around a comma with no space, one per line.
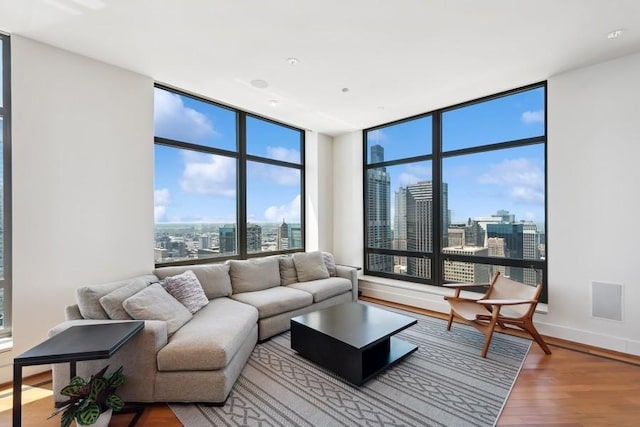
(379,212)
(466,272)
(227,236)
(283,236)
(295,236)
(254,238)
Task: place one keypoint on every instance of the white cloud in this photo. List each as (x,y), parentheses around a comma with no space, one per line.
(283,154)
(524,178)
(209,174)
(413,174)
(275,174)
(289,212)
(176,121)
(531,117)
(161,200)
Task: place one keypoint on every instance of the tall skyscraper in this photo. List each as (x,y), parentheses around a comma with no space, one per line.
(227,239)
(254,238)
(419,207)
(400,225)
(379,212)
(283,236)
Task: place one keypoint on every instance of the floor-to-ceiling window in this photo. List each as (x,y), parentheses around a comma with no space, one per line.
(228,184)
(459,193)
(5,188)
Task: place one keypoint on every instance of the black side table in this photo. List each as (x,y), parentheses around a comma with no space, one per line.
(81,342)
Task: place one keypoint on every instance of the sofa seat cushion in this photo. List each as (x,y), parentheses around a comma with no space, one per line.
(272,301)
(324,288)
(211,339)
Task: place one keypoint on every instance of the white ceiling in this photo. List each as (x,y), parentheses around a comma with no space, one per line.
(396,57)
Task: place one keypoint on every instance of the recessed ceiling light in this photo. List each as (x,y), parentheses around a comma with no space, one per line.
(615,34)
(293,61)
(258,83)
(273,102)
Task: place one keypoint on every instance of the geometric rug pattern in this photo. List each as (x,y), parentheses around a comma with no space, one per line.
(444,383)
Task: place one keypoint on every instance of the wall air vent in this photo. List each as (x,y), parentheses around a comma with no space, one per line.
(606,300)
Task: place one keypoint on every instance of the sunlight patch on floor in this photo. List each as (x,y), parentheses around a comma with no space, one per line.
(29,394)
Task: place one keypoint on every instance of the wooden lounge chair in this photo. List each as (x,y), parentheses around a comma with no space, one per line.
(506,303)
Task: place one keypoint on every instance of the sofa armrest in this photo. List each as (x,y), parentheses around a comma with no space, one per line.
(137,356)
(350,273)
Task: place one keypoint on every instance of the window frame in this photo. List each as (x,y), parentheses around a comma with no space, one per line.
(437,156)
(242,158)
(5,112)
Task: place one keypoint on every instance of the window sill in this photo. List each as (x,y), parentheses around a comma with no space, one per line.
(6,344)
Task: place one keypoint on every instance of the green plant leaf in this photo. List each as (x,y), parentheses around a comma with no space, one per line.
(67,416)
(88,415)
(115,402)
(97,386)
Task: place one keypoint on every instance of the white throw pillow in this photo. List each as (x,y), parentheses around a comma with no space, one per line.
(186,288)
(154,303)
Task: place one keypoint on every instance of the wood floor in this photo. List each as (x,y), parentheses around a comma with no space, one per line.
(568,388)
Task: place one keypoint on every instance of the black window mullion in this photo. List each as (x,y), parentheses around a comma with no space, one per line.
(242,186)
(436,178)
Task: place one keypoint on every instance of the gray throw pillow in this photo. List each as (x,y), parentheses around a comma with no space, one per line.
(327,257)
(187,290)
(112,302)
(310,266)
(288,274)
(154,303)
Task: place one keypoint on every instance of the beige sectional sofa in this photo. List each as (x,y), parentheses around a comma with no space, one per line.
(192,349)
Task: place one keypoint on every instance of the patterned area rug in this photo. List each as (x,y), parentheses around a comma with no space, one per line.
(444,383)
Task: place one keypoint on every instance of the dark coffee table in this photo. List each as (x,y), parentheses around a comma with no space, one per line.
(82,342)
(353,340)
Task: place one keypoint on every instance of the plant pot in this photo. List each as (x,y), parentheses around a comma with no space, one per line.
(102,421)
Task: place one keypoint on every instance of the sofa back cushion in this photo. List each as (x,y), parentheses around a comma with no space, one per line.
(310,266)
(214,278)
(254,274)
(88,297)
(288,275)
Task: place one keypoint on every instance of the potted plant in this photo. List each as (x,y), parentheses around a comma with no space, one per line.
(89,399)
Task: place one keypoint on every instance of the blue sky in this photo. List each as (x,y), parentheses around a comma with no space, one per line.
(196,187)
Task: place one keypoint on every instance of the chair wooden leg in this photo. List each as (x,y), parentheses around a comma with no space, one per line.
(489,332)
(529,327)
(450,320)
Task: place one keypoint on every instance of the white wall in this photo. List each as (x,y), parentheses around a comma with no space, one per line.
(593,204)
(319,191)
(82,183)
(593,200)
(348,226)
